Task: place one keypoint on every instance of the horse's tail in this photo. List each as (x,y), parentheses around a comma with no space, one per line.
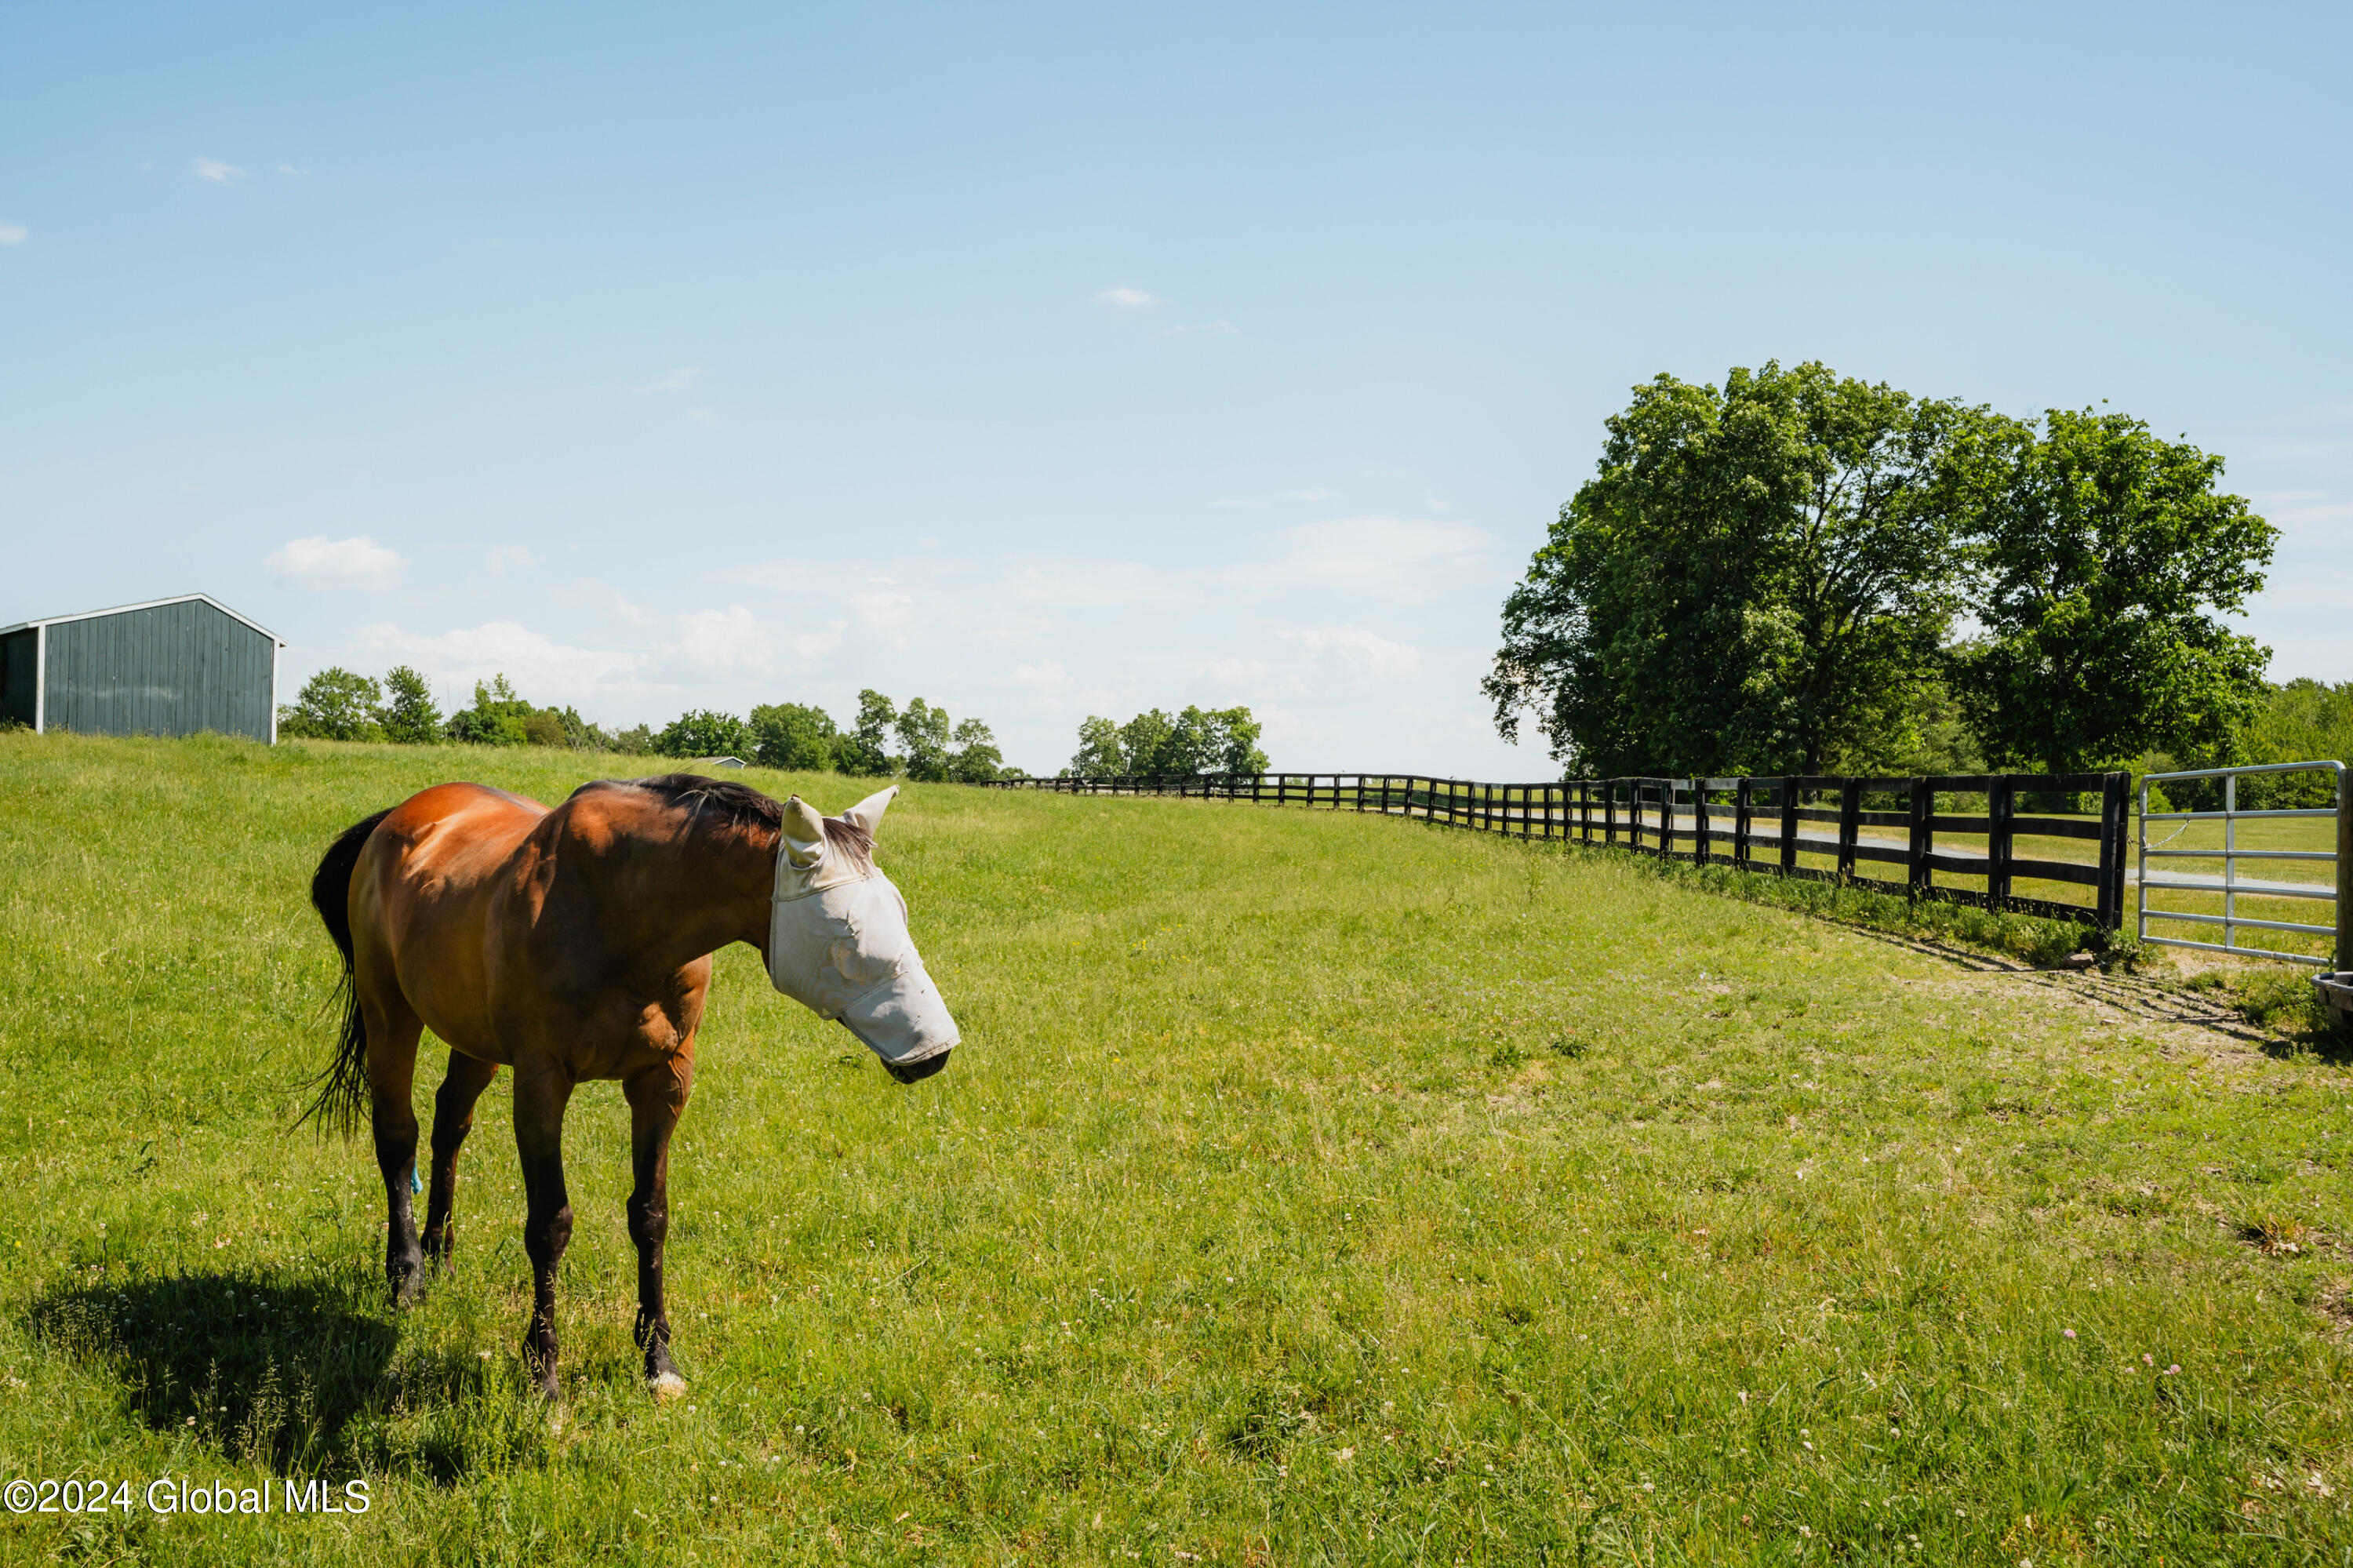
(343,1087)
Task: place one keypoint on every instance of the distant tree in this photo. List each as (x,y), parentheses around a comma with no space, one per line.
(1211,740)
(699,732)
(2105,555)
(544,726)
(1758,579)
(579,733)
(1197,740)
(1144,742)
(638,740)
(976,759)
(794,738)
(923,731)
(496,717)
(1099,754)
(334,705)
(865,752)
(1240,753)
(409,714)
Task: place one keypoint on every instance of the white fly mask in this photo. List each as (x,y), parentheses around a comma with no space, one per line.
(838,942)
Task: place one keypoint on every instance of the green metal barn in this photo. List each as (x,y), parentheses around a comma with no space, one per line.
(171,667)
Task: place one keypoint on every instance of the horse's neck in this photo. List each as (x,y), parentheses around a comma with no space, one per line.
(711,891)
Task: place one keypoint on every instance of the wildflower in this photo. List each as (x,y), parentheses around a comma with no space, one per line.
(2069,1332)
(2173,1370)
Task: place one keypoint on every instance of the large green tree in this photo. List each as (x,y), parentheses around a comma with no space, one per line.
(925,733)
(1757,579)
(700,732)
(335,703)
(866,750)
(409,714)
(976,758)
(793,737)
(496,717)
(2105,555)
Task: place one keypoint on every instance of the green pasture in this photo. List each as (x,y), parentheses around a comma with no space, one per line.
(1310,1187)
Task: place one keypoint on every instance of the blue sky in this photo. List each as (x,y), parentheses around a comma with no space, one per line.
(1047,361)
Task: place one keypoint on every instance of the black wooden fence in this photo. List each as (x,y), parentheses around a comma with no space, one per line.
(1753,824)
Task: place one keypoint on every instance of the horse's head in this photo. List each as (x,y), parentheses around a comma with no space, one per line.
(837,939)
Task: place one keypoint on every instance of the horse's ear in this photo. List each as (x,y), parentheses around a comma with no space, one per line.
(803,833)
(868,813)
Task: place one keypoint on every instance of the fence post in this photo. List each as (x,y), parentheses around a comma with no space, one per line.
(1699,821)
(1744,809)
(1610,811)
(1666,819)
(2002,805)
(1850,823)
(1920,875)
(2113,817)
(2345,871)
(1789,792)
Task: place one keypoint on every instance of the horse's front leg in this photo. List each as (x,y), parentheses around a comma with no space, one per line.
(540,1092)
(657,1098)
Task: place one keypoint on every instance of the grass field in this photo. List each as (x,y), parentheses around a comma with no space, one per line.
(1310,1187)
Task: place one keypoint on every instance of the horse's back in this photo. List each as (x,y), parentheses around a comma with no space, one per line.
(426,895)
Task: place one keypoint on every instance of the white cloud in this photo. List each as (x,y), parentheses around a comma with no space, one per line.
(218,173)
(1127,299)
(1404,559)
(1049,675)
(13,234)
(290,169)
(1375,654)
(319,562)
(1100,585)
(541,668)
(811,647)
(678,380)
(703,416)
(506,556)
(718,644)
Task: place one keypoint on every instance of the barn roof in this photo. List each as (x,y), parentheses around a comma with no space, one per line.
(148,604)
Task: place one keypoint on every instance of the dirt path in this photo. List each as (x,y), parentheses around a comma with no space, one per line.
(2182,1021)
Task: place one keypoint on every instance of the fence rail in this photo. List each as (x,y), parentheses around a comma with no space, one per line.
(1753,823)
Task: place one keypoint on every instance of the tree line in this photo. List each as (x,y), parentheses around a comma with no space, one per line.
(1197,740)
(919,742)
(1799,572)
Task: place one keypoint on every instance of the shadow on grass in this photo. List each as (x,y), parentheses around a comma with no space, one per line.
(268,1373)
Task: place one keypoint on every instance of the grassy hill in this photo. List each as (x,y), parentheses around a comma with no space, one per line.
(1309,1188)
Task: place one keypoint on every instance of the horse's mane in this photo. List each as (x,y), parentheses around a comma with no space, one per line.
(740,804)
(745,807)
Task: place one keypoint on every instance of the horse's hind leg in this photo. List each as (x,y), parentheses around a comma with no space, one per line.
(453,1118)
(540,1092)
(657,1099)
(392,1032)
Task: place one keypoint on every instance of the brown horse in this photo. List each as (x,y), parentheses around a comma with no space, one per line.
(573,945)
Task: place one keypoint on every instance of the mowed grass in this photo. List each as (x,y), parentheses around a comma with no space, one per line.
(1309,1188)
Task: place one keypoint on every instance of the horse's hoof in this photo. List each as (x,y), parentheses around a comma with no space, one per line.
(666,1387)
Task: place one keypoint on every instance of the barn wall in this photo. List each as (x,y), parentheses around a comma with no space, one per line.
(173,669)
(19,656)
